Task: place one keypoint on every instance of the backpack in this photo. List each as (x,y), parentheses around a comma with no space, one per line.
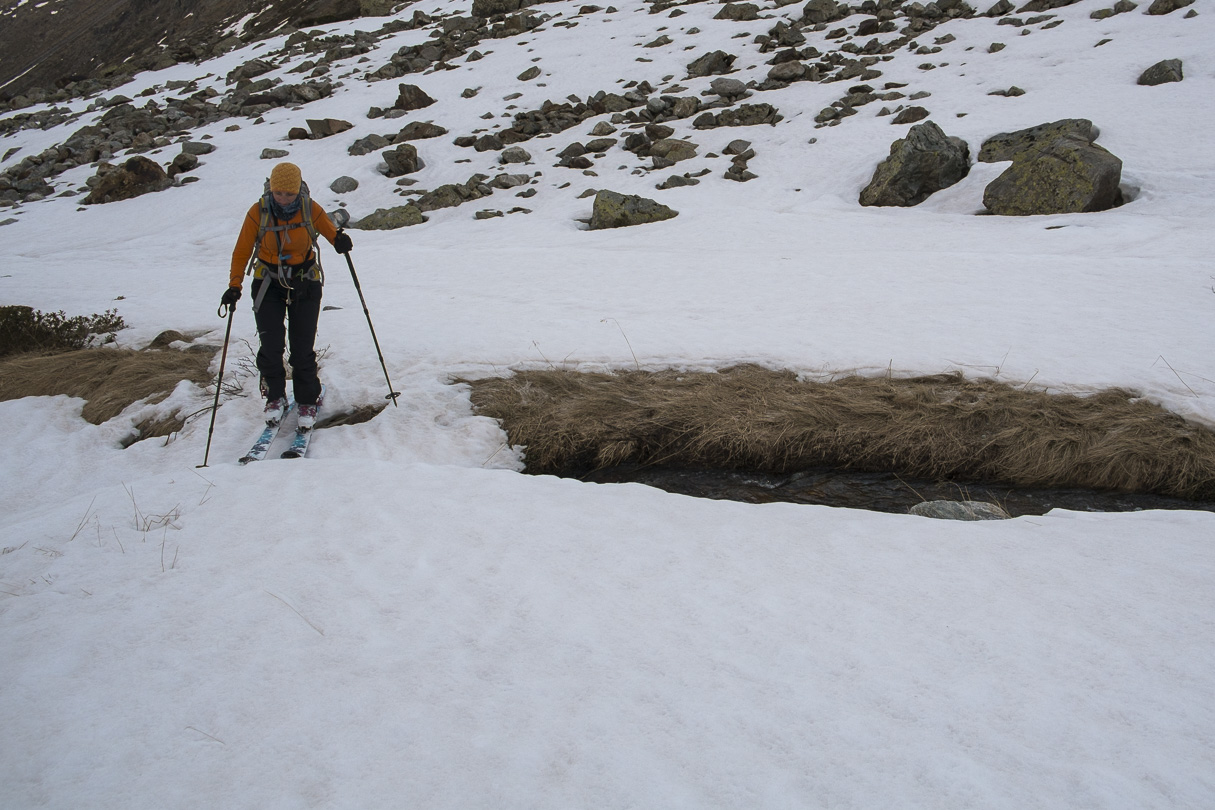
(265,227)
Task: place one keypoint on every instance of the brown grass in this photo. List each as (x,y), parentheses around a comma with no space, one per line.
(941,427)
(109,379)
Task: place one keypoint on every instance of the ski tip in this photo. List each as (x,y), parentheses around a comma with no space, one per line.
(290,454)
(243,460)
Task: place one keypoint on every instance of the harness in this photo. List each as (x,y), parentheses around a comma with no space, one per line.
(281,272)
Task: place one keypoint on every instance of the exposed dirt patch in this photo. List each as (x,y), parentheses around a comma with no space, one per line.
(941,427)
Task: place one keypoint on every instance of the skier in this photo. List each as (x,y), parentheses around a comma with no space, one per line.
(277,243)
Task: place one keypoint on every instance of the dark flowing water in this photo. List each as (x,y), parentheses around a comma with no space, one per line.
(880,492)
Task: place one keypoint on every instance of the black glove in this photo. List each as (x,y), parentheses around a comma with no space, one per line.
(342,243)
(231,296)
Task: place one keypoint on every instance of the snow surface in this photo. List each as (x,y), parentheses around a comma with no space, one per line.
(403,620)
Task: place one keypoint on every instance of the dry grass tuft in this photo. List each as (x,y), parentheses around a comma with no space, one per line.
(109,379)
(941,427)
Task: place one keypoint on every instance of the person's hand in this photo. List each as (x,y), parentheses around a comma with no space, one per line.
(342,243)
(231,296)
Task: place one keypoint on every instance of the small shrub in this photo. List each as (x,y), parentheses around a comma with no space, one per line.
(23,329)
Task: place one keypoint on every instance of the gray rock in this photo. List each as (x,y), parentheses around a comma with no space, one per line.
(419,130)
(514,154)
(1162,73)
(728,88)
(787,72)
(614,210)
(924,162)
(365,146)
(1009,145)
(673,150)
(1068,175)
(910,115)
(343,185)
(739,12)
(505,181)
(959,510)
(324,127)
(737,147)
(529,74)
(412,97)
(490,8)
(402,160)
(185,162)
(136,177)
(600,144)
(711,64)
(1167,6)
(822,11)
(389,219)
(197,148)
(274,154)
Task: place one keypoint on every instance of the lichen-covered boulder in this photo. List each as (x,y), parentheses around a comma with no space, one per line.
(1068,175)
(1163,72)
(673,149)
(389,219)
(1010,145)
(614,210)
(711,64)
(402,160)
(138,176)
(924,162)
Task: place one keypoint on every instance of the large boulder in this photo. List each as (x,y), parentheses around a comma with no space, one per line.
(1011,145)
(615,210)
(389,219)
(402,160)
(925,161)
(673,149)
(490,8)
(1162,73)
(412,97)
(822,11)
(1159,7)
(711,64)
(137,176)
(1067,175)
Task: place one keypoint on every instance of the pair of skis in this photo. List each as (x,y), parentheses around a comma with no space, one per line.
(299,442)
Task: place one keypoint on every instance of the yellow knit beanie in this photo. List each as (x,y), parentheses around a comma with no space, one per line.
(285,177)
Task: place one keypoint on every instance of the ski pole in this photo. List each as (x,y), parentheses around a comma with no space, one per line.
(223,358)
(353,275)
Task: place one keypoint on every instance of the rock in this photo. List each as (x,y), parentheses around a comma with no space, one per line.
(274,154)
(389,219)
(1162,73)
(1167,6)
(365,146)
(823,11)
(673,150)
(450,195)
(1068,175)
(183,163)
(1008,145)
(419,130)
(600,145)
(412,97)
(197,148)
(711,64)
(787,72)
(324,127)
(514,154)
(488,213)
(529,74)
(491,8)
(676,181)
(737,147)
(910,115)
(739,12)
(402,160)
(487,143)
(959,510)
(298,134)
(343,185)
(923,162)
(614,210)
(728,88)
(508,181)
(136,177)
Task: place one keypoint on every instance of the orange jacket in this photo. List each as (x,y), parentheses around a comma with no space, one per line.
(297,247)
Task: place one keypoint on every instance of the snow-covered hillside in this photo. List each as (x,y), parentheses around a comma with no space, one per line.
(403,619)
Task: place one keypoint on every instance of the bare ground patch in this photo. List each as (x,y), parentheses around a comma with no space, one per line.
(110,380)
(941,427)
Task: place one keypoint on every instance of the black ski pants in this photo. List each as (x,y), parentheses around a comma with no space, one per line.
(300,308)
